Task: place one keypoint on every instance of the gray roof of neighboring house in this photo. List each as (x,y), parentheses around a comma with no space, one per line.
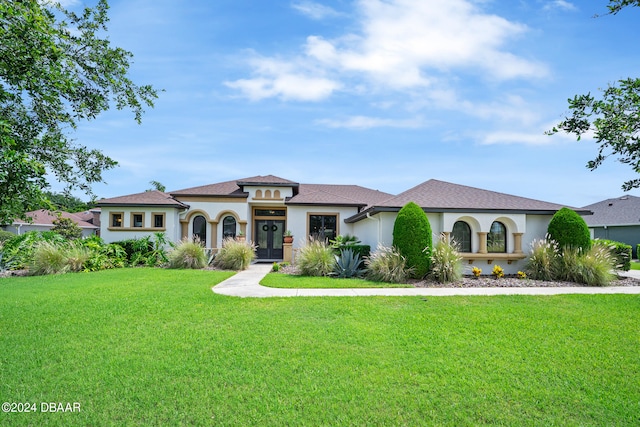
(43,217)
(623,210)
(438,196)
(147,198)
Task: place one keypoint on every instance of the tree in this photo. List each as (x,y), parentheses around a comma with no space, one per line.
(412,237)
(570,230)
(56,70)
(157,185)
(614,119)
(67,228)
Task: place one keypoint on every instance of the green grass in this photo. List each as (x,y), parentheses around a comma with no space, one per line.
(157,347)
(635,264)
(278,280)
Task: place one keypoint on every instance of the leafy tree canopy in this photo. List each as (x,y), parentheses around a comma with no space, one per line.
(613,119)
(56,70)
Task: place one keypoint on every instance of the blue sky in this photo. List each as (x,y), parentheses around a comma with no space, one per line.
(381,93)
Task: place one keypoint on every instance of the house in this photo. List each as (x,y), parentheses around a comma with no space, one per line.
(616,219)
(489,226)
(43,220)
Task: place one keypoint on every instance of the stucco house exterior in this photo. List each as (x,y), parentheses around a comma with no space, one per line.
(43,220)
(616,219)
(491,227)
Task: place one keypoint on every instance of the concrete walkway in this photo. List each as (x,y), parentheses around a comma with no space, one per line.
(247,284)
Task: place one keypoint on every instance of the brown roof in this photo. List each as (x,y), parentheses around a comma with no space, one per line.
(330,194)
(147,198)
(435,195)
(46,218)
(234,188)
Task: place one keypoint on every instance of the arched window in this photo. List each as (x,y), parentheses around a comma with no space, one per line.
(229,227)
(461,234)
(497,238)
(200,229)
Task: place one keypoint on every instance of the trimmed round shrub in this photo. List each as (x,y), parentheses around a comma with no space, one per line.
(412,237)
(568,229)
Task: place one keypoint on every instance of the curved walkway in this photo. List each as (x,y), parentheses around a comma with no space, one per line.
(247,284)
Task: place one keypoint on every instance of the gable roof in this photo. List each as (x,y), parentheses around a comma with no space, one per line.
(45,218)
(623,210)
(147,198)
(438,196)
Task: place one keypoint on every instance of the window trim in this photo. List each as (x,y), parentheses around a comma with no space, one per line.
(111,218)
(132,223)
(163,215)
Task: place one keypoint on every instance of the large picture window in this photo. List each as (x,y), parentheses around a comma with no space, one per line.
(323,227)
(461,235)
(497,238)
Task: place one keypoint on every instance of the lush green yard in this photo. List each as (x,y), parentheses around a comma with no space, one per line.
(277,280)
(635,264)
(157,347)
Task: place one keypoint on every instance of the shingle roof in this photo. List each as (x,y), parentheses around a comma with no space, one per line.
(46,218)
(233,188)
(330,194)
(435,195)
(147,198)
(623,210)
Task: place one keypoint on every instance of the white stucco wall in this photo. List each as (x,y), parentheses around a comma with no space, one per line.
(111,234)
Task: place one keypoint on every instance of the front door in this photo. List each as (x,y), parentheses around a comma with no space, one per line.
(268,237)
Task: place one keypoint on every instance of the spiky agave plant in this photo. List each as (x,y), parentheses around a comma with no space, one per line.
(348,264)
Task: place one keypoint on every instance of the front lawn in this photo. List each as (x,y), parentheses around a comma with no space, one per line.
(157,347)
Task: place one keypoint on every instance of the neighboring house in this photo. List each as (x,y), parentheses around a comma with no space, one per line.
(616,219)
(489,226)
(42,220)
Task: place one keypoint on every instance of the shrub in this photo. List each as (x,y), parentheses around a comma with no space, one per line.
(344,240)
(542,263)
(387,265)
(446,264)
(348,264)
(76,256)
(596,267)
(188,254)
(18,252)
(412,237)
(235,254)
(497,272)
(569,230)
(476,272)
(315,258)
(48,258)
(621,251)
(6,235)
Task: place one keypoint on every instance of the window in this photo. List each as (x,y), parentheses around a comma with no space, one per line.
(323,227)
(200,229)
(497,238)
(116,220)
(229,226)
(461,234)
(137,220)
(158,220)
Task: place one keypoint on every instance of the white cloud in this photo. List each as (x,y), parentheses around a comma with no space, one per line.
(364,122)
(314,10)
(285,80)
(401,45)
(559,4)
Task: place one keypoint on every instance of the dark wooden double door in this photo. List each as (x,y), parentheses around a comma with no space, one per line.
(268,237)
